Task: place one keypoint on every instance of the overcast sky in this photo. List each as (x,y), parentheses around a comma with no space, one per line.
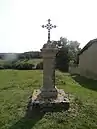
(21,20)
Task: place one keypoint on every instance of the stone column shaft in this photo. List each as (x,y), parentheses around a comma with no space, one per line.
(48,89)
(49,73)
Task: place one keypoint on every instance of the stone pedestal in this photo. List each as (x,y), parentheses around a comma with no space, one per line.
(48,95)
(61,102)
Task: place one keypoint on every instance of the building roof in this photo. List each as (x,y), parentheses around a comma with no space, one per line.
(88,45)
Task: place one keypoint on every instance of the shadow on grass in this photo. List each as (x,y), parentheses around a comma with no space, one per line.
(35,113)
(29,120)
(87,83)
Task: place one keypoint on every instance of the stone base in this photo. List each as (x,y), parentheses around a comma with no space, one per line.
(48,93)
(61,102)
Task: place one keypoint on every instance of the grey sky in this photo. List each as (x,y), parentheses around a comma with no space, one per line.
(21,20)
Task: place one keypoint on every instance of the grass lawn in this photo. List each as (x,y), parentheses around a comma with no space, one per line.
(17,86)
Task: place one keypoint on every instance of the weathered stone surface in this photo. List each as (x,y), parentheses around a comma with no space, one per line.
(49,104)
(49,54)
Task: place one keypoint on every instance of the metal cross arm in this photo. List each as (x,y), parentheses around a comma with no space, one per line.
(49,26)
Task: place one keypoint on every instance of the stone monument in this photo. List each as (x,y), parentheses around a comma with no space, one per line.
(48,96)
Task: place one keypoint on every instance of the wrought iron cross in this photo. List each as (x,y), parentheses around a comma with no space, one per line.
(49,26)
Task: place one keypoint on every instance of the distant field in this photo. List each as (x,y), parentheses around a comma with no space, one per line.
(16,87)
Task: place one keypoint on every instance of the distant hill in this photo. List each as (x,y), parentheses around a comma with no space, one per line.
(5,55)
(25,55)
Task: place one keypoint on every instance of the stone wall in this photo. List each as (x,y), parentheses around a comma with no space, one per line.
(88,62)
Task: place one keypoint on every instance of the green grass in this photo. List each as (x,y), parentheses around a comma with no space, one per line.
(16,87)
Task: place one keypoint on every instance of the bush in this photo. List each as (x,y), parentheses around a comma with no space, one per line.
(39,65)
(1,67)
(7,65)
(23,66)
(20,65)
(62,60)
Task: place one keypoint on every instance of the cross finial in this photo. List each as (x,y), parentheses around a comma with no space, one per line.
(49,26)
(49,20)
